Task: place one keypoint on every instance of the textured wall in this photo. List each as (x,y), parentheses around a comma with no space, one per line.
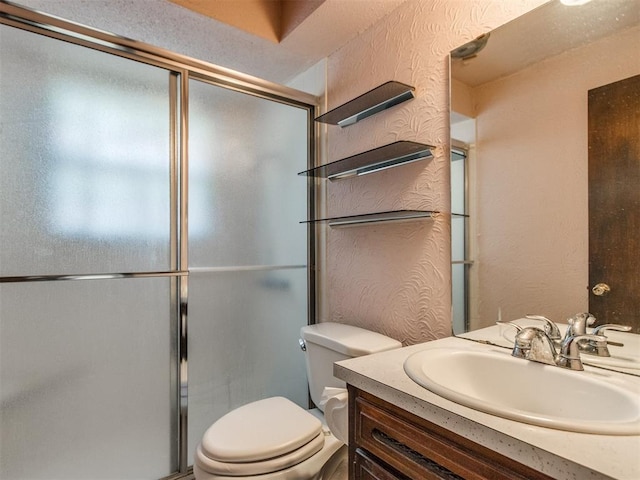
(395,278)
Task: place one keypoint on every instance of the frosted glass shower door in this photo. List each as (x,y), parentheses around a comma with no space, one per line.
(84,160)
(87,365)
(84,369)
(247,252)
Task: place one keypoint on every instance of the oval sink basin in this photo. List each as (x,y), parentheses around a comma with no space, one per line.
(544,395)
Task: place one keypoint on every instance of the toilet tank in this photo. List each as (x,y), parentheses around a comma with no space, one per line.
(328,342)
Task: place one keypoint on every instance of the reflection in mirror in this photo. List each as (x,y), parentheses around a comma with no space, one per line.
(520,108)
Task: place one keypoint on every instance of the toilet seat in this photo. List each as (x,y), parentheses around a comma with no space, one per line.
(263,467)
(261,437)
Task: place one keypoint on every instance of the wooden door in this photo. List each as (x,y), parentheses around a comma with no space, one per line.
(614,202)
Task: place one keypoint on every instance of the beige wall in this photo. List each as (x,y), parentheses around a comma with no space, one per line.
(395,278)
(532,220)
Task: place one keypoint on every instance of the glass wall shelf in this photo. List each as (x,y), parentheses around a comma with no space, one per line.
(391,216)
(381,158)
(455,155)
(380,98)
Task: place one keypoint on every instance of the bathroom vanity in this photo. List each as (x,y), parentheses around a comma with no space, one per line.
(388,442)
(399,430)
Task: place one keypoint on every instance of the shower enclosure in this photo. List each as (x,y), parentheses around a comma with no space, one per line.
(153,270)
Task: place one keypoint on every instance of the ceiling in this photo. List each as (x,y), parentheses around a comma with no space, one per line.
(548,30)
(286,37)
(274,40)
(269,19)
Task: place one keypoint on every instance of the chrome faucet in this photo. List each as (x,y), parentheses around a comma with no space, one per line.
(532,343)
(577,325)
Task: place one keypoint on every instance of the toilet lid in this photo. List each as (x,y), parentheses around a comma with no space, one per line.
(259,431)
(247,469)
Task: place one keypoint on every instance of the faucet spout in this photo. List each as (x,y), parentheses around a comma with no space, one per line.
(532,343)
(577,325)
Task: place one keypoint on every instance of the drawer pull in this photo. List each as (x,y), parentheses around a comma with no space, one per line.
(406,451)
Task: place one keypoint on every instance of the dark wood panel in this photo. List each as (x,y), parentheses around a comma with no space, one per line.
(614,201)
(368,468)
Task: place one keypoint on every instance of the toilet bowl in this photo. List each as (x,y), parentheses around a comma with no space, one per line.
(268,439)
(275,439)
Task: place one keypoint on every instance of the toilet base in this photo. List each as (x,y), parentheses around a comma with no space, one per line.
(337,467)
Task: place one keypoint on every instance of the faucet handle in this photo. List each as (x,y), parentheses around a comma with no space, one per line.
(610,326)
(509,323)
(600,329)
(550,328)
(569,356)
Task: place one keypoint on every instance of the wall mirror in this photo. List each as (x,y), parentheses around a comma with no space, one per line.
(520,151)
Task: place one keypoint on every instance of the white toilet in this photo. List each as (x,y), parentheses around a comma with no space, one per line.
(275,439)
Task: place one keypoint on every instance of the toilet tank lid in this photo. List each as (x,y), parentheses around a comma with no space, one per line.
(347,339)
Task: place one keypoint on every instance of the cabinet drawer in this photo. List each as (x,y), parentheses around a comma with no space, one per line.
(368,468)
(422,450)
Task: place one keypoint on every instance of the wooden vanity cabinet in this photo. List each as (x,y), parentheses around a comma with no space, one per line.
(388,443)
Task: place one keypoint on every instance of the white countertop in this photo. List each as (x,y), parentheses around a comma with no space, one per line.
(559,454)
